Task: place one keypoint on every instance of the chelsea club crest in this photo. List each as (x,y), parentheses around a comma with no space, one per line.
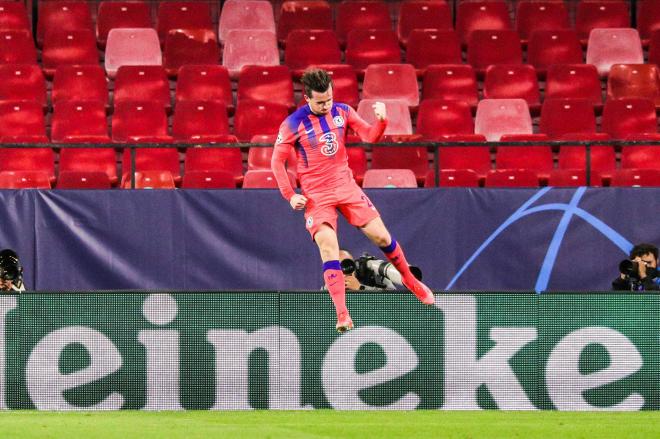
(339,121)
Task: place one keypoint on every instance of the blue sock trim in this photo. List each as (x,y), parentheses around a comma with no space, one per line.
(331,265)
(390,248)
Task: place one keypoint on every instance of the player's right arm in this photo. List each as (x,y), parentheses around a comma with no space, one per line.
(281,151)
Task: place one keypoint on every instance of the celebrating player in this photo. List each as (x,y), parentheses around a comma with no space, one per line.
(318,133)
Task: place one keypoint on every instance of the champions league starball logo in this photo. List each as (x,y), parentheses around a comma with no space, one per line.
(331,146)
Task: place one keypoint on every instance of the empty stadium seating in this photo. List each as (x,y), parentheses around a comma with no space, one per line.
(89,160)
(263,179)
(574,81)
(258,117)
(607,47)
(422,15)
(142,83)
(245,47)
(24,180)
(75,47)
(149,179)
(366,46)
(634,81)
(540,15)
(226,159)
(62,16)
(204,83)
(361,15)
(306,14)
(481,15)
(379,78)
(389,178)
(266,83)
(636,177)
(79,83)
(553,47)
(13,16)
(83,180)
(22,82)
(17,47)
(437,119)
(505,81)
(208,180)
(203,121)
(432,46)
(189,46)
(131,47)
(502,116)
(487,47)
(623,117)
(451,82)
(511,178)
(183,15)
(594,14)
(246,14)
(310,47)
(118,14)
(567,116)
(344,83)
(73,120)
(453,178)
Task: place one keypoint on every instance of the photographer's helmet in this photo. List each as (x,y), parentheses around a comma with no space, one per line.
(10,265)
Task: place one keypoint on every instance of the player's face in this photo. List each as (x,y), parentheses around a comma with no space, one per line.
(320,103)
(649,259)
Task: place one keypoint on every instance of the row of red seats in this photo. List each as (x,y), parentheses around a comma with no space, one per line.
(374,178)
(318,14)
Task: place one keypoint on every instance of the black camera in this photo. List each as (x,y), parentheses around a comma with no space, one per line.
(631,269)
(376,273)
(10,266)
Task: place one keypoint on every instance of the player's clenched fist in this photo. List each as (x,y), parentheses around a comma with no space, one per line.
(379,110)
(298,201)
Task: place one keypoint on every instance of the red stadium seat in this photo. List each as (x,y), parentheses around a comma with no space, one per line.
(593,14)
(602,161)
(22,82)
(481,15)
(357,161)
(263,179)
(567,178)
(139,120)
(89,160)
(378,80)
(183,15)
(496,117)
(204,159)
(62,17)
(344,83)
(414,158)
(513,82)
(451,82)
(24,180)
(453,178)
(389,178)
(152,159)
(266,83)
(246,14)
(614,46)
(574,81)
(361,15)
(534,158)
(306,14)
(475,158)
(149,179)
(421,15)
(189,46)
(118,14)
(553,47)
(629,116)
(246,47)
(142,84)
(74,119)
(258,117)
(22,120)
(565,116)
(13,16)
(648,19)
(76,47)
(208,180)
(439,118)
(79,83)
(398,115)
(511,178)
(204,83)
(367,46)
(432,46)
(131,47)
(307,47)
(540,15)
(634,81)
(199,121)
(636,177)
(17,47)
(641,156)
(486,47)
(83,180)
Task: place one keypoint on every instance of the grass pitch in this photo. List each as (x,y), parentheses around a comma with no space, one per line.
(328,424)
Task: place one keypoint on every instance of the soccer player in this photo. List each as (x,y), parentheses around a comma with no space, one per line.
(318,133)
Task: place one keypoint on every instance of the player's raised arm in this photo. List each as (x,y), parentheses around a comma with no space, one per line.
(369,133)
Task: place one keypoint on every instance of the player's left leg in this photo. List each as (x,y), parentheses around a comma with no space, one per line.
(377,233)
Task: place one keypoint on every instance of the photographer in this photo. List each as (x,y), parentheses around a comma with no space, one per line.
(11,272)
(639,272)
(357,275)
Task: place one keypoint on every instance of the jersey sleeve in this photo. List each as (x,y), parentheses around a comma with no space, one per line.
(285,141)
(368,133)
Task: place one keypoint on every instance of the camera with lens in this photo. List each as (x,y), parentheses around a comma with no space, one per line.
(376,273)
(11,268)
(631,269)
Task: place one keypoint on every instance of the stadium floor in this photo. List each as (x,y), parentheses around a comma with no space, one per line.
(328,424)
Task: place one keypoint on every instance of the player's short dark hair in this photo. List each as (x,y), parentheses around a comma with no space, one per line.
(642,249)
(317,80)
